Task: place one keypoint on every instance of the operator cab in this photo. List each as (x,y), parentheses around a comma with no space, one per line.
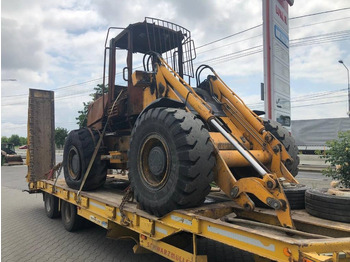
(140,40)
(132,52)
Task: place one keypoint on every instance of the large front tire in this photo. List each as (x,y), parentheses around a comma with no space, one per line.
(171,160)
(78,150)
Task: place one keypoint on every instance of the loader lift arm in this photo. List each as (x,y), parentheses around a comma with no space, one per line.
(170,136)
(267,186)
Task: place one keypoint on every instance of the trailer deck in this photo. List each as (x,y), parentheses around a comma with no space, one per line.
(218,219)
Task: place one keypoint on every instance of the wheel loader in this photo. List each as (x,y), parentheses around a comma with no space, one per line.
(173,139)
(9,155)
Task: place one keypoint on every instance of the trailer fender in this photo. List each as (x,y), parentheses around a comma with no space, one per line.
(164,102)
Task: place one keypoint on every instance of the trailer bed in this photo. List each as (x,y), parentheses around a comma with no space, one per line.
(218,219)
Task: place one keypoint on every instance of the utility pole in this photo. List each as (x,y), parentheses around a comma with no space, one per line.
(347,69)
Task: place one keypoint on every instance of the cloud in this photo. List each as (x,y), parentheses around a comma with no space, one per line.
(309,64)
(73,21)
(21,46)
(55,44)
(10,128)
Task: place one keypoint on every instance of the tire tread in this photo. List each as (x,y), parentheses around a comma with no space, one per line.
(195,160)
(323,205)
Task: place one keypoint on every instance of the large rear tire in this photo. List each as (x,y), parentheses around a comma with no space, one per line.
(78,150)
(283,135)
(171,160)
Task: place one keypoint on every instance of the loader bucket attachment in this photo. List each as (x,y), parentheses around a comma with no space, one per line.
(41,135)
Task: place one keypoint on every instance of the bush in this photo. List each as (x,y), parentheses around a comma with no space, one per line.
(15,140)
(338,155)
(60,136)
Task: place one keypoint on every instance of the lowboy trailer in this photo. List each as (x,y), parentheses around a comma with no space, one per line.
(174,235)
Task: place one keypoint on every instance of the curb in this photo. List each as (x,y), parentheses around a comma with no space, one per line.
(311,168)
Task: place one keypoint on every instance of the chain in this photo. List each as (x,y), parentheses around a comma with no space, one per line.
(125,221)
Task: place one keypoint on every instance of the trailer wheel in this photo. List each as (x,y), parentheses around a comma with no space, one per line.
(78,151)
(288,141)
(51,205)
(70,218)
(320,204)
(171,160)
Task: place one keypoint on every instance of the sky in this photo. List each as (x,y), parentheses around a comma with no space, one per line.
(59,44)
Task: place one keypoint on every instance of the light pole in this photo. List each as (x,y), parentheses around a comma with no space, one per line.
(341,62)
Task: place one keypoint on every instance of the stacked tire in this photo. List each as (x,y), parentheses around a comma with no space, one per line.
(332,207)
(296,196)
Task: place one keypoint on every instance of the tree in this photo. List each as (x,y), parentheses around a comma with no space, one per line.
(4,140)
(338,155)
(82,117)
(60,136)
(23,140)
(15,140)
(99,91)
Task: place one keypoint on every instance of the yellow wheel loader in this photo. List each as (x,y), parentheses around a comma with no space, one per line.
(174,140)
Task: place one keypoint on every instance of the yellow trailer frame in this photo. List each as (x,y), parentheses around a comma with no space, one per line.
(254,231)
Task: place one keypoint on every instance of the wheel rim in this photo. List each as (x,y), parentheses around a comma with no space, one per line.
(74,165)
(155,161)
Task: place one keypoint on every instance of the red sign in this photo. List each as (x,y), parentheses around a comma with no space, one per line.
(281,14)
(284,4)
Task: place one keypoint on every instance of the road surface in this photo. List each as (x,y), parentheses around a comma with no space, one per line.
(314,179)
